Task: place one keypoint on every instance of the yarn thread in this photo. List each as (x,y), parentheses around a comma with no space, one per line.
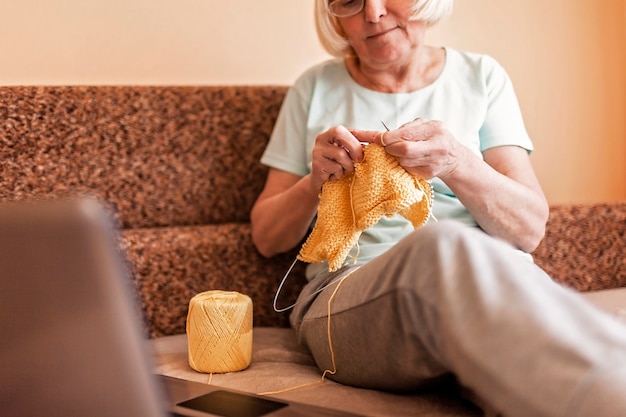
(378,187)
(328,321)
(332,371)
(219,331)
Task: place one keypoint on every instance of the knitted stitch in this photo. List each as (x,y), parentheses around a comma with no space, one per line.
(377,187)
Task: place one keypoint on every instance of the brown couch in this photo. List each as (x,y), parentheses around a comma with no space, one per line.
(178,168)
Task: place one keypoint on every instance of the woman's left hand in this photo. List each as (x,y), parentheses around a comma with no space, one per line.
(422,147)
(500,189)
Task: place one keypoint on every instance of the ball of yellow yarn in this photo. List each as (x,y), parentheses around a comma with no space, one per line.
(219,331)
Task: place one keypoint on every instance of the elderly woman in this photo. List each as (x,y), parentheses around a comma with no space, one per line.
(461,294)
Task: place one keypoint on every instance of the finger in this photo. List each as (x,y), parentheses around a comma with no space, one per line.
(346,149)
(418,121)
(334,175)
(382,138)
(337,160)
(419,129)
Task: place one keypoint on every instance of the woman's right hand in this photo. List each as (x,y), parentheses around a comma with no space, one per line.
(334,154)
(283,213)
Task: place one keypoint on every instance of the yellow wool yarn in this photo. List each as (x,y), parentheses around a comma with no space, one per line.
(377,187)
(219,331)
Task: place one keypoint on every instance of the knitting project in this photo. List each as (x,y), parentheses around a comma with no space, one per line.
(377,187)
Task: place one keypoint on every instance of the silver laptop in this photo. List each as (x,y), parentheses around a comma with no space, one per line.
(71,343)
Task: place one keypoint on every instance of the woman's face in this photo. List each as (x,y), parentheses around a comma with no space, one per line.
(381,33)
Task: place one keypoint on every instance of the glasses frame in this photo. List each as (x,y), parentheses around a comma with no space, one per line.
(330,9)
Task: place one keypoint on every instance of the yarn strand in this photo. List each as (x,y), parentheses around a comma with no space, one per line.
(413,199)
(332,371)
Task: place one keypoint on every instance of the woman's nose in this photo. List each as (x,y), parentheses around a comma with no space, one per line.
(374,10)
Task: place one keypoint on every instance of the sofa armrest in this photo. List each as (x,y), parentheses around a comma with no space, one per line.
(584,246)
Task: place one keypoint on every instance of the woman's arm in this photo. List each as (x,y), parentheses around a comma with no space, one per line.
(503,195)
(283,213)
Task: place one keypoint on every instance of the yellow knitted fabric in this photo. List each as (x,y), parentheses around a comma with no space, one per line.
(378,187)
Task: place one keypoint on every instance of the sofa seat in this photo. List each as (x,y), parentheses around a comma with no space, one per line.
(279,363)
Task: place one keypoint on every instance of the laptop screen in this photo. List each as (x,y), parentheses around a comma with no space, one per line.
(71,342)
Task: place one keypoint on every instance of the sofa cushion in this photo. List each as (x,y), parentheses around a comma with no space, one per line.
(172,264)
(279,363)
(161,156)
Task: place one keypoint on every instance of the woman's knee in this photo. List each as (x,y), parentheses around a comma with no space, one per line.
(443,236)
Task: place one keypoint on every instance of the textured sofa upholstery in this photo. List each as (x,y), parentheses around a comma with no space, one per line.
(178,169)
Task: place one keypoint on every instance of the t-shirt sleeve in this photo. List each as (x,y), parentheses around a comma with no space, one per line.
(503,124)
(287,147)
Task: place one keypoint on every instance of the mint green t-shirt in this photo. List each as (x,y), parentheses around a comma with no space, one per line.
(473,97)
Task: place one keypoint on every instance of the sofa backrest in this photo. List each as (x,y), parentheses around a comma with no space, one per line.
(161,156)
(184,156)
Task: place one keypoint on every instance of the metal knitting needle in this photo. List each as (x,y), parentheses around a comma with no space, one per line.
(383,134)
(366,143)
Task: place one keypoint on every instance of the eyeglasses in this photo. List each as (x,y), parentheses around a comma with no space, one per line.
(345,8)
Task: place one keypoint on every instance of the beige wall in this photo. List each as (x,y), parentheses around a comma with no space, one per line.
(567,59)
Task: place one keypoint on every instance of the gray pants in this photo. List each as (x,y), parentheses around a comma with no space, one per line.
(450,299)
